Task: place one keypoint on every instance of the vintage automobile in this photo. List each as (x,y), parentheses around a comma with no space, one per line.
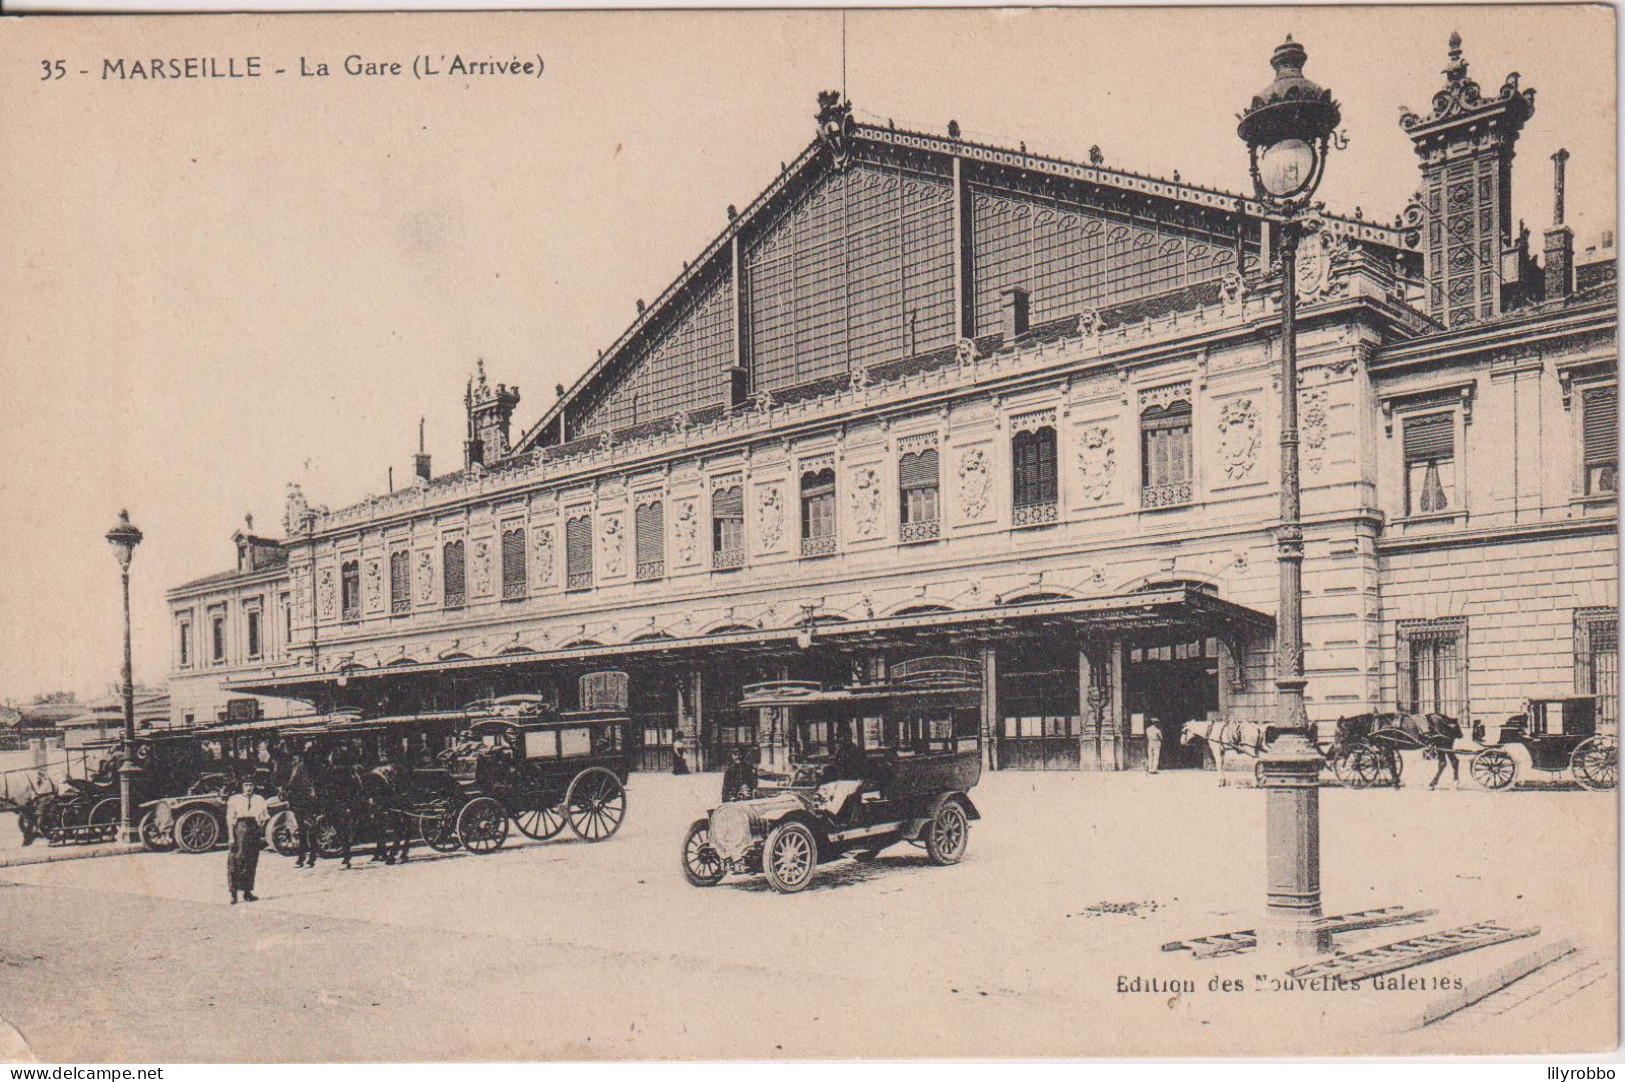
(920,735)
(1552,734)
(88,809)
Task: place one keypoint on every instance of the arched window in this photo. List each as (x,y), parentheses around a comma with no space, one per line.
(727,528)
(818,512)
(400,580)
(1033,455)
(451,573)
(513,564)
(350,589)
(651,531)
(578,553)
(1165,455)
(920,510)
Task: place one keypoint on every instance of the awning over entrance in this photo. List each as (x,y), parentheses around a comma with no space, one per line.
(1178,610)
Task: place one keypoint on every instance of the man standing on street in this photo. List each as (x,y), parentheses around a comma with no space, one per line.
(301,794)
(1153,746)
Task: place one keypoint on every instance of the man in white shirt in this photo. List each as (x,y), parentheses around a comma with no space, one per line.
(246,816)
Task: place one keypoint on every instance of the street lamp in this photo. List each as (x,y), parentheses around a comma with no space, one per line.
(1288,129)
(124,537)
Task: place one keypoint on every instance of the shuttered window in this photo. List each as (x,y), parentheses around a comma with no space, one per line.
(451,573)
(253,616)
(578,553)
(513,564)
(917,478)
(818,505)
(1430,464)
(1165,451)
(1034,454)
(350,589)
(651,527)
(727,528)
(186,645)
(400,581)
(1600,418)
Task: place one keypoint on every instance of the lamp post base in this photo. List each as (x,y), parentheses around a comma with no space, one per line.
(128,829)
(1290,775)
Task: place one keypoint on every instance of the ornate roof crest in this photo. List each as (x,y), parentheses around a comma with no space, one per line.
(835,126)
(1461,94)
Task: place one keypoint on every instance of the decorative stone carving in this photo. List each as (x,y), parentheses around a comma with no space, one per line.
(546,562)
(425,576)
(480,569)
(1032,422)
(1314,430)
(375,584)
(614,545)
(687,530)
(1165,396)
(770,515)
(1097,461)
(324,592)
(866,501)
(835,127)
(294,510)
(965,352)
(974,481)
(1238,438)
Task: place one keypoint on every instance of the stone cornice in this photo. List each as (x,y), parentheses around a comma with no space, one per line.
(1502,535)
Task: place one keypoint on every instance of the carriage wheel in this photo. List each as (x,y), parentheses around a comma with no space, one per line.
(328,842)
(1596,763)
(284,834)
(439,825)
(1360,767)
(947,836)
(482,825)
(790,857)
(197,830)
(540,823)
(156,841)
(701,865)
(595,804)
(1493,769)
(103,819)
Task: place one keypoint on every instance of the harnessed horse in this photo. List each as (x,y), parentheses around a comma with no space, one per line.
(1237,737)
(1389,733)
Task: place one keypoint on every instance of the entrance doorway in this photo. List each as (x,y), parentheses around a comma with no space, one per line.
(1038,705)
(1169,684)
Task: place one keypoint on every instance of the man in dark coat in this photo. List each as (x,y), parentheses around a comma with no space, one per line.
(300,792)
(739,780)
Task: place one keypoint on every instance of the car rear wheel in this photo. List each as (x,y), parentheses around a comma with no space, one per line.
(284,833)
(701,864)
(790,857)
(948,834)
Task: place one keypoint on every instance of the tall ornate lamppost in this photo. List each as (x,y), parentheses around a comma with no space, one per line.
(1288,129)
(124,537)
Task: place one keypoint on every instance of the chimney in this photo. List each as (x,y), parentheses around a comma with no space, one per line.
(1013,302)
(1559,238)
(420,461)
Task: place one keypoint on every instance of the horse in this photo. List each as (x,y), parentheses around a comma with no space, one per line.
(1387,733)
(1239,737)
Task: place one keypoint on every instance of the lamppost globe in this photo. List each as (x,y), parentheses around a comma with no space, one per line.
(1287,129)
(124,537)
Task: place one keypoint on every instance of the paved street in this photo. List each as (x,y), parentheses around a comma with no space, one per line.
(563,949)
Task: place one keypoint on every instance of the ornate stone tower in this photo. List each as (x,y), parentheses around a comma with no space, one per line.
(1475,265)
(489,411)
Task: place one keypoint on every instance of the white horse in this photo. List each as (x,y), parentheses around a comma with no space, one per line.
(1237,737)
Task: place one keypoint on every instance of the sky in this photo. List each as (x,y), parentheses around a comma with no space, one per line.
(215,287)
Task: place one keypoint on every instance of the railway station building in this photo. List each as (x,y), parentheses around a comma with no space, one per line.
(928,396)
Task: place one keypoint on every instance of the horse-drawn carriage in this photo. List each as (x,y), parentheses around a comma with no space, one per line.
(1367,747)
(910,753)
(1551,735)
(87,809)
(548,768)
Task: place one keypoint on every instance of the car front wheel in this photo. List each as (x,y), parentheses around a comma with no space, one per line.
(948,834)
(701,864)
(790,857)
